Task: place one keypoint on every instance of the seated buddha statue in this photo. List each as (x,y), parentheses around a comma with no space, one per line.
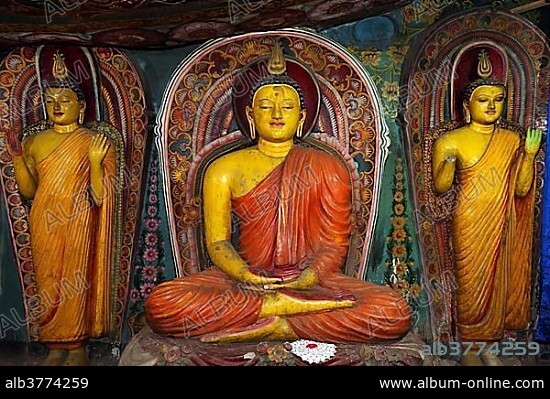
(492,221)
(67,171)
(281,278)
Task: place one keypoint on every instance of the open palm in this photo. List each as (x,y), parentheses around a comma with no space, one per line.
(533,140)
(98,149)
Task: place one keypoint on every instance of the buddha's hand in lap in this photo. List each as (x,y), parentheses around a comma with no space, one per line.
(256,280)
(306,280)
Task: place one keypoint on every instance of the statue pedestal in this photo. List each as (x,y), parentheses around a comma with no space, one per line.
(150,349)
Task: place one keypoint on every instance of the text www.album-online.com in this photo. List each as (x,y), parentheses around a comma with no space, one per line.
(482,383)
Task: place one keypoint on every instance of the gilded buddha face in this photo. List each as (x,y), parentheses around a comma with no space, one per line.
(63,106)
(276,112)
(486,104)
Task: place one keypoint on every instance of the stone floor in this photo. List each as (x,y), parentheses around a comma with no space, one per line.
(21,354)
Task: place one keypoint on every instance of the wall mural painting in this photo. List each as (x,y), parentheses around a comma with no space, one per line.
(149,267)
(402,273)
(169,23)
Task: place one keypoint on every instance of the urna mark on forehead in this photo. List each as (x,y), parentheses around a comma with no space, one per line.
(487,84)
(490,91)
(277,80)
(64,87)
(59,92)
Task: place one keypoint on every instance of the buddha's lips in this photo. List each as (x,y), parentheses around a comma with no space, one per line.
(277,124)
(58,113)
(491,112)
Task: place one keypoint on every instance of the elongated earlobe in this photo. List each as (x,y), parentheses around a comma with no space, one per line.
(467,115)
(251,124)
(252,128)
(299,131)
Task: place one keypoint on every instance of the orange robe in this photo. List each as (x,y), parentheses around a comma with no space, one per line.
(71,240)
(298,216)
(492,241)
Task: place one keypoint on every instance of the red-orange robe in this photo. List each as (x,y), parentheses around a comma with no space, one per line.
(71,241)
(299,215)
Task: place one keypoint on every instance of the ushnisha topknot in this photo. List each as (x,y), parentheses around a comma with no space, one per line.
(277,63)
(276,66)
(62,78)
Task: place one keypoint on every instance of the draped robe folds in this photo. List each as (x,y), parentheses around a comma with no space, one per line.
(298,216)
(71,240)
(492,243)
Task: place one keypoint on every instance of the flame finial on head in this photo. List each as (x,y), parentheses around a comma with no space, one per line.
(484,67)
(276,64)
(59,69)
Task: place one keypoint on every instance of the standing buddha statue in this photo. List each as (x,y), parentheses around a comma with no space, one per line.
(492,221)
(67,171)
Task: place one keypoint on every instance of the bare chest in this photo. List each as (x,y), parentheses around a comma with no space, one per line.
(45,144)
(471,150)
(251,173)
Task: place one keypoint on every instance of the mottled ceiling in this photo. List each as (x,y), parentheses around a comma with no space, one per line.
(162,23)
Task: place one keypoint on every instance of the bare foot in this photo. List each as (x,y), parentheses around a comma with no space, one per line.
(55,357)
(77,357)
(269,328)
(471,359)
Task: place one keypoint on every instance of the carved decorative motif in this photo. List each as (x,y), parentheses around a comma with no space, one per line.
(401,273)
(149,349)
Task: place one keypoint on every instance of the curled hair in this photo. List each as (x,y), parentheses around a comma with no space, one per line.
(281,80)
(66,84)
(481,82)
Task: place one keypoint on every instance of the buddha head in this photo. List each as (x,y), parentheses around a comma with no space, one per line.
(484,101)
(65,100)
(277,99)
(65,105)
(276,112)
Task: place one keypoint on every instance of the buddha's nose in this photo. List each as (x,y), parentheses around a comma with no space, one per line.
(277,112)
